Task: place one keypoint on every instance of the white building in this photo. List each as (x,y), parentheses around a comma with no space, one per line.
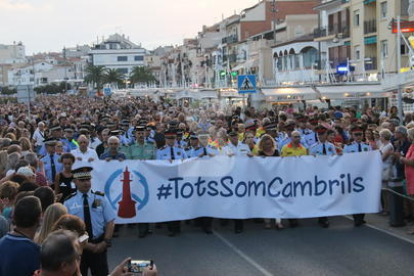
(10,54)
(117,52)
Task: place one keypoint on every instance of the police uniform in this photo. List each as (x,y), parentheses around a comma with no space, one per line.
(171,153)
(127,138)
(94,209)
(136,151)
(309,136)
(203,151)
(51,162)
(357,147)
(240,149)
(324,148)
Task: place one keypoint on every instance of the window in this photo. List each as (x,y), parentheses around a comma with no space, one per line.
(123,70)
(356,18)
(384,48)
(122,58)
(384,10)
(357,52)
(139,58)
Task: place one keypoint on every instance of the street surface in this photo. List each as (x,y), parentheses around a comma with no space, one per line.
(306,250)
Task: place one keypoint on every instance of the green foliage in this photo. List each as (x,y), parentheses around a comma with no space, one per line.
(95,75)
(113,76)
(52,88)
(8,91)
(142,74)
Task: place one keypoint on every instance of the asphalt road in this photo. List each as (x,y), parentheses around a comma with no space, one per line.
(306,250)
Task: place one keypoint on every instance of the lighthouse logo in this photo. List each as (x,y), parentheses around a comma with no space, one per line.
(127,191)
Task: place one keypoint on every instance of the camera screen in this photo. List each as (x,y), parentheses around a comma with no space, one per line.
(138,266)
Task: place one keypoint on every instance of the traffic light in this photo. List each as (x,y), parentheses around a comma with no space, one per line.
(222,74)
(234,73)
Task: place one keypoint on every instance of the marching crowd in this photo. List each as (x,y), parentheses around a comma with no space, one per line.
(51,217)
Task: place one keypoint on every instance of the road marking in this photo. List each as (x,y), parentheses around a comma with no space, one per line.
(244,256)
(385,231)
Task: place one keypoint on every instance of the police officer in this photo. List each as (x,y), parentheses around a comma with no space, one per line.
(357,146)
(141,150)
(51,161)
(309,136)
(322,147)
(68,142)
(204,150)
(127,138)
(93,208)
(56,135)
(171,152)
(193,146)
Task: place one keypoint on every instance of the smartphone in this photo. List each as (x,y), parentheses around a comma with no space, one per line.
(137,266)
(83,238)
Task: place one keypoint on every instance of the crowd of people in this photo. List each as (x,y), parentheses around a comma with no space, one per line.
(50,215)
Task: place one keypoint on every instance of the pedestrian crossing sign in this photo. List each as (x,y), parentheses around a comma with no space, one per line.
(246,84)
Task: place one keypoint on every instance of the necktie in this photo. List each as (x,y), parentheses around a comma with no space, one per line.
(359,147)
(172,153)
(324,149)
(87,215)
(52,164)
(205,151)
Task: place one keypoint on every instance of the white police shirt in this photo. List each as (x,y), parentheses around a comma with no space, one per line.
(357,147)
(165,153)
(240,150)
(318,149)
(199,151)
(309,136)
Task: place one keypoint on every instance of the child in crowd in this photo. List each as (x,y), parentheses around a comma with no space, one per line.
(8,192)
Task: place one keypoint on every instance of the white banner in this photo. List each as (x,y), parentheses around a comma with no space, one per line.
(241,188)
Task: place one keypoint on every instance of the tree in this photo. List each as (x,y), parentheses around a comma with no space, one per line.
(113,76)
(142,74)
(8,91)
(95,76)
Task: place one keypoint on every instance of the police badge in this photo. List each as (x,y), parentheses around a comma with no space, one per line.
(96,203)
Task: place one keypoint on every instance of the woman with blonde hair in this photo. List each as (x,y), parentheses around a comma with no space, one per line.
(26,145)
(268,148)
(52,214)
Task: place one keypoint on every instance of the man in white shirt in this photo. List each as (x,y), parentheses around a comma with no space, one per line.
(39,135)
(236,148)
(84,153)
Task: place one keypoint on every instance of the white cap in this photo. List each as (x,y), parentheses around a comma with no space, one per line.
(25,171)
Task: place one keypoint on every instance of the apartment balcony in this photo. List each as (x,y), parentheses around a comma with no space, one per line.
(370,26)
(370,63)
(230,39)
(341,31)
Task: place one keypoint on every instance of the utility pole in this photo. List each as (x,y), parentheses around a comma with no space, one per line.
(66,70)
(274,11)
(400,104)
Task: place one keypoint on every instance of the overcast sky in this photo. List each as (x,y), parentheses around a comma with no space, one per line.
(49,25)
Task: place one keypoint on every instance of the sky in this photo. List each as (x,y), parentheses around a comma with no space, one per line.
(51,25)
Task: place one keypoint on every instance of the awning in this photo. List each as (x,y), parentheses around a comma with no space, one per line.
(290,94)
(346,91)
(252,62)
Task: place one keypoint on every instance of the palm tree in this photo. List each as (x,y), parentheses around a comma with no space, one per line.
(94,76)
(142,74)
(113,76)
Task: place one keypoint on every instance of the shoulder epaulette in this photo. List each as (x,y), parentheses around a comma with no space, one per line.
(98,193)
(71,195)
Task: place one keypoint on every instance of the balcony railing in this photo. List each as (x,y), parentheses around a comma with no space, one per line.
(370,26)
(230,39)
(370,63)
(334,29)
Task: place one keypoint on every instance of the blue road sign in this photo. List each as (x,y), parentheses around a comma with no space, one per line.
(246,84)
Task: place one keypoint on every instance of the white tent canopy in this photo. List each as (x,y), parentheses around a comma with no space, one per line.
(290,94)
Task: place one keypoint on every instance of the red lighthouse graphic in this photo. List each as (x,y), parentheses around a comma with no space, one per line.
(126,205)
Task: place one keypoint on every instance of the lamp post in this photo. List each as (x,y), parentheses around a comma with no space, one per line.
(274,11)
